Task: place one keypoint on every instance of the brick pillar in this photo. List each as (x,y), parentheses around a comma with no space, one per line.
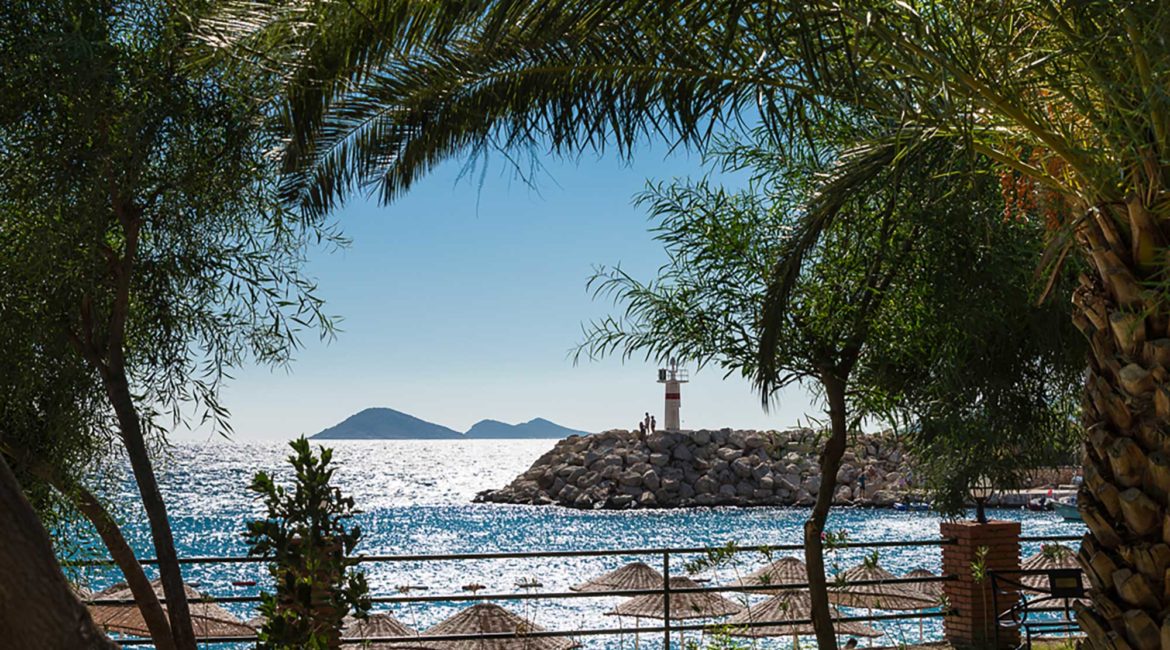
(972,623)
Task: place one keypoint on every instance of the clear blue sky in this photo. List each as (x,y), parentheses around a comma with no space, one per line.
(462,300)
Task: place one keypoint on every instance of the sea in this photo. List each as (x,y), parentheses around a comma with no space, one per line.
(416,498)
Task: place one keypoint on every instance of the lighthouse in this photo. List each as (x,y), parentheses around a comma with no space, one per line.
(673,377)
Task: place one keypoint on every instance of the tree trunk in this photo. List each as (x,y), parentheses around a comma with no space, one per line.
(37,609)
(814,527)
(118,389)
(1125,493)
(144,596)
(109,358)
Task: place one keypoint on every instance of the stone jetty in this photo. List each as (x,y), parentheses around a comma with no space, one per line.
(624,469)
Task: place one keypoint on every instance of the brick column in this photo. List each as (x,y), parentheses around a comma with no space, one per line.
(972,623)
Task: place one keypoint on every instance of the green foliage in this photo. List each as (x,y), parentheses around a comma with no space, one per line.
(378,91)
(107,136)
(919,278)
(719,637)
(979,565)
(307,536)
(708,303)
(140,235)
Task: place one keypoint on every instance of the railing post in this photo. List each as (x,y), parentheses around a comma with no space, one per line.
(666,600)
(992,546)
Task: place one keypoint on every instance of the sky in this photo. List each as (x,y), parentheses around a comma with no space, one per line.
(463,299)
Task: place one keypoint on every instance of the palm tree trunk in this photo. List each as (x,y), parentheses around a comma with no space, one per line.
(1127,453)
(37,609)
(814,527)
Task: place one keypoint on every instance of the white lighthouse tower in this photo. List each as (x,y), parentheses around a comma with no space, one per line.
(673,377)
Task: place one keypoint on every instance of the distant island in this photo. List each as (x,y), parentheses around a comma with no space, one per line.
(388,424)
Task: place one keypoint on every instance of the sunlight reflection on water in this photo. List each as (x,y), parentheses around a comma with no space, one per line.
(416,499)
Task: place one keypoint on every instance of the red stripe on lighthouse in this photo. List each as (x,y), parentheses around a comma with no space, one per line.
(673,395)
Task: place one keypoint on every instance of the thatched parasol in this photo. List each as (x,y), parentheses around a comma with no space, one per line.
(932,590)
(490,618)
(682,606)
(381,624)
(786,570)
(792,605)
(256,622)
(208,619)
(81,593)
(633,576)
(876,596)
(1051,556)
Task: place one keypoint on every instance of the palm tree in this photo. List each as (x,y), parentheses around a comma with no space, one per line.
(1066,97)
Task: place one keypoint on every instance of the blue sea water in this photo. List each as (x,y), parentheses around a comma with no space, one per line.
(416,499)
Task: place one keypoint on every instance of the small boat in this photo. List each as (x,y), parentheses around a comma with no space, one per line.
(912,506)
(1040,504)
(1066,507)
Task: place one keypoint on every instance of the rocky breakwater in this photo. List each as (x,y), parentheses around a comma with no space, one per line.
(623,469)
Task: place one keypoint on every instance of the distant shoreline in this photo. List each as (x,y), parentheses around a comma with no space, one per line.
(460,439)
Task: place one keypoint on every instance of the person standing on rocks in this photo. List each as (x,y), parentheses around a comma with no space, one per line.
(642,428)
(646,421)
(653,424)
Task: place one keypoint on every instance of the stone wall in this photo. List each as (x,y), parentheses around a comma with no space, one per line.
(623,469)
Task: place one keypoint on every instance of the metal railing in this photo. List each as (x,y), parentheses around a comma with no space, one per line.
(667,628)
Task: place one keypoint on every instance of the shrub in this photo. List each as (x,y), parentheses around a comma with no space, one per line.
(309,540)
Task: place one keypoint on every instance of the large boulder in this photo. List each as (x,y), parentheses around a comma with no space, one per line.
(706,485)
(843,495)
(630,478)
(728,454)
(650,480)
(742,467)
(659,442)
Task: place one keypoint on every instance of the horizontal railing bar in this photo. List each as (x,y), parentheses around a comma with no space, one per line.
(487,636)
(504,555)
(555,595)
(1052,538)
(1026,572)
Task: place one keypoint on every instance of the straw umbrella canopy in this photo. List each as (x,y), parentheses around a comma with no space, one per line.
(786,570)
(932,590)
(633,576)
(790,605)
(876,596)
(381,624)
(81,593)
(682,606)
(208,619)
(1051,556)
(487,618)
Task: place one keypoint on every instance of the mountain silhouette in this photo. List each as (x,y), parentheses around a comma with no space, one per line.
(389,424)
